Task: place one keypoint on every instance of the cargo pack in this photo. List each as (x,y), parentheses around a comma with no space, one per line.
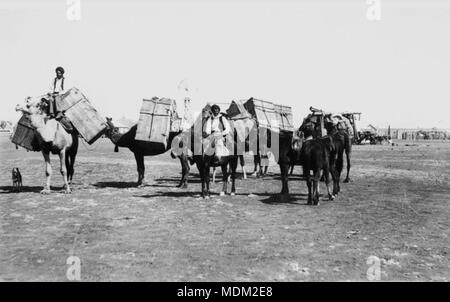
(158,117)
(82,114)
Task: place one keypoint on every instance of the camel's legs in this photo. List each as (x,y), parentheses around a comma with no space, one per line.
(244,172)
(214,175)
(63,169)
(242,161)
(140,168)
(233,167)
(48,172)
(225,179)
(348,155)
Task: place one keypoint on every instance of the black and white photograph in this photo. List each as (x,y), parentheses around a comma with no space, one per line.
(211,141)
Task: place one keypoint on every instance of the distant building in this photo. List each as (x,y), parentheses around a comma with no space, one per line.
(6,127)
(417,133)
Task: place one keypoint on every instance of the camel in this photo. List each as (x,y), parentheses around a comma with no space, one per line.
(52,138)
(140,149)
(243,134)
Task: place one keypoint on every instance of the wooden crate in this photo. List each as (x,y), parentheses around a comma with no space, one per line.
(237,110)
(264,112)
(83,115)
(65,101)
(154,123)
(25,135)
(285,117)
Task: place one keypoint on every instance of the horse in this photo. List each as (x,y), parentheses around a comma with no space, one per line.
(52,138)
(315,156)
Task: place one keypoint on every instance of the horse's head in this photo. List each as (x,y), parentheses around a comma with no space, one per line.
(297,141)
(310,126)
(330,123)
(110,128)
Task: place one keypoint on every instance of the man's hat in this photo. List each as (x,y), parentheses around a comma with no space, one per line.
(59,68)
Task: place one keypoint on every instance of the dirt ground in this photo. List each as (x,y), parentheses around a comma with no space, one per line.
(396,208)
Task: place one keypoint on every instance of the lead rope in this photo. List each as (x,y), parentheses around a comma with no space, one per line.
(85,146)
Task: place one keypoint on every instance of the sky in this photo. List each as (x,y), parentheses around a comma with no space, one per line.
(326,54)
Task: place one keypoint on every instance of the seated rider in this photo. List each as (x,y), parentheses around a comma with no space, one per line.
(57,87)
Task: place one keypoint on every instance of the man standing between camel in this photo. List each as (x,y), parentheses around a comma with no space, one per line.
(217,125)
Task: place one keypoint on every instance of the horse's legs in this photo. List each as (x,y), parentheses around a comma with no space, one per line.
(63,170)
(316,181)
(200,167)
(284,178)
(339,166)
(48,173)
(292,170)
(326,174)
(233,167)
(348,152)
(224,178)
(140,167)
(334,177)
(184,171)
(308,183)
(206,177)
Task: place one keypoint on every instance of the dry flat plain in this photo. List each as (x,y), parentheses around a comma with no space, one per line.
(396,208)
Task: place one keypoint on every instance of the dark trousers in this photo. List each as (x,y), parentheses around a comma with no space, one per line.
(52,109)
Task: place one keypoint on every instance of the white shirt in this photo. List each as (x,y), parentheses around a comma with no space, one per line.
(58,87)
(213,125)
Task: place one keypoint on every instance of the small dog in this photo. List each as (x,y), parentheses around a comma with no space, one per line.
(16,179)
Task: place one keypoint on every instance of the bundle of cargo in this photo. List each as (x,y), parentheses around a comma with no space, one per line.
(82,114)
(264,113)
(24,135)
(158,117)
(236,110)
(285,117)
(267,114)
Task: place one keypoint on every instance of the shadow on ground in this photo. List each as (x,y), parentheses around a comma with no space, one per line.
(24,189)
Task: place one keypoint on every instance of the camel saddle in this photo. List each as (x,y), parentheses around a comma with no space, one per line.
(65,123)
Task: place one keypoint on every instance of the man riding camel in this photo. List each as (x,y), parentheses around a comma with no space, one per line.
(57,87)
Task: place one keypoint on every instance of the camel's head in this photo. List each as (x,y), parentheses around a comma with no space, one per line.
(35,110)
